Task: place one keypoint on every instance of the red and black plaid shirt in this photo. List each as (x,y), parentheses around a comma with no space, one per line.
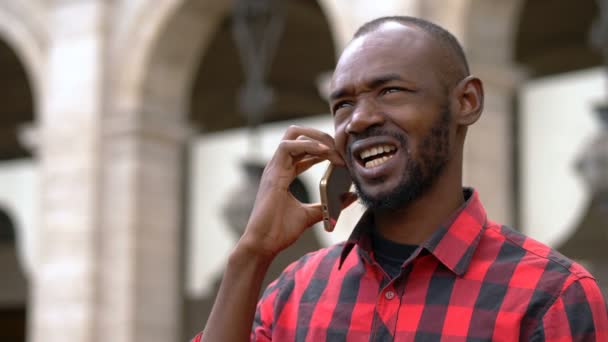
(473,280)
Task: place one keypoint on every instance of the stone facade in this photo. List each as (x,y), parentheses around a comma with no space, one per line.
(111,83)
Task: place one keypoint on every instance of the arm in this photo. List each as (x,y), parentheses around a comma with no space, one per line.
(277,220)
(578,314)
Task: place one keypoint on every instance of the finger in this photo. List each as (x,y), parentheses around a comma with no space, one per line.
(299,149)
(309,134)
(307,163)
(293,132)
(291,152)
(314,213)
(333,154)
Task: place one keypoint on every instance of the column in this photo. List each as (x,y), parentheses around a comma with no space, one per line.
(489,163)
(140,270)
(64,283)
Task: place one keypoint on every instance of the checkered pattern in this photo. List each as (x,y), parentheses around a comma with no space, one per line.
(473,280)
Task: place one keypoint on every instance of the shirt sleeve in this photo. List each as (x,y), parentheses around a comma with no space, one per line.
(578,314)
(260,331)
(263,322)
(273,298)
(197,338)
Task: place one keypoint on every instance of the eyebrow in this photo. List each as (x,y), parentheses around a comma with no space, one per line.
(370,84)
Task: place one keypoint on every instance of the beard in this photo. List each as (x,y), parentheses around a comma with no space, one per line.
(420,174)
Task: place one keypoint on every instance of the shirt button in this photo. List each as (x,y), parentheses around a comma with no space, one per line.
(389,295)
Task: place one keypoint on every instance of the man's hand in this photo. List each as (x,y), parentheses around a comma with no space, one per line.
(278,218)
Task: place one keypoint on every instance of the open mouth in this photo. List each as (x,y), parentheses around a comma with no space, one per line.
(376,155)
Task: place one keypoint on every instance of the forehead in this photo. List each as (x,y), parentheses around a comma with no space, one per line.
(393,48)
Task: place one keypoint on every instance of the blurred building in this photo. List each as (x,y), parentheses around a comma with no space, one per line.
(121,144)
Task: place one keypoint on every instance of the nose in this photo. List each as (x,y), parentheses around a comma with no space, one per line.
(365,115)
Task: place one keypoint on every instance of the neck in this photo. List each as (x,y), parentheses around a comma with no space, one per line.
(415,222)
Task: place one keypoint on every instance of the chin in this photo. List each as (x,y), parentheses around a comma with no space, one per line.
(389,197)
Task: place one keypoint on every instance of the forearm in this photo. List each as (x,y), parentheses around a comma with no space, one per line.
(234,309)
(277,220)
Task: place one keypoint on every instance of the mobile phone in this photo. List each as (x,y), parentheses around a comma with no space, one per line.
(335,192)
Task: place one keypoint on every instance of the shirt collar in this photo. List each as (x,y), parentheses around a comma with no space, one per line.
(453,243)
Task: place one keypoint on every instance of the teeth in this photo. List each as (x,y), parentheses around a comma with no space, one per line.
(376,150)
(377,162)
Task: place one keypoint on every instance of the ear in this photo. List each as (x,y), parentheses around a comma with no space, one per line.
(468,101)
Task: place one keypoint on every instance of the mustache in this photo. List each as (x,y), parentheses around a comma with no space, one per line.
(375,131)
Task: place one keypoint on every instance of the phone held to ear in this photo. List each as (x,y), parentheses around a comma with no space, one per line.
(335,194)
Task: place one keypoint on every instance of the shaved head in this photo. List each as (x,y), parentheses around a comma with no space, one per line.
(454,63)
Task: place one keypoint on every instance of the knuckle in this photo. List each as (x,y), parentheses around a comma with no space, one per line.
(293,128)
(302,137)
(292,131)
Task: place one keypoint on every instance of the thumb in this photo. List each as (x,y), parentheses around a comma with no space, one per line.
(314,213)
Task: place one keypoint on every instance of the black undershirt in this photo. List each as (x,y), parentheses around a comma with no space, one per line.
(389,254)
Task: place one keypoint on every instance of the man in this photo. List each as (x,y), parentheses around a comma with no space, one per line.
(423,263)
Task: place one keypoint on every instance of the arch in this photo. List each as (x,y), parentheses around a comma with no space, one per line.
(559,42)
(157,55)
(305,51)
(524,37)
(17,108)
(23,37)
(489,22)
(153,60)
(20,29)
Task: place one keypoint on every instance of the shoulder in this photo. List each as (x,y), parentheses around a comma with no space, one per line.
(507,257)
(526,251)
(552,288)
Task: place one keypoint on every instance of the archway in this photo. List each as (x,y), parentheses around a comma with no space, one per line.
(555,41)
(18,107)
(163,95)
(304,53)
(552,49)
(540,42)
(564,70)
(16,112)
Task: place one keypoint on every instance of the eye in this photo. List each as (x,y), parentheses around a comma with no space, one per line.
(391,90)
(341,105)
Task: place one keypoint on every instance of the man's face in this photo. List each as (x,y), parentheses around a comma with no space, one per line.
(391,115)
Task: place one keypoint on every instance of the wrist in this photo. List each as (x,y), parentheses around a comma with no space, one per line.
(248,253)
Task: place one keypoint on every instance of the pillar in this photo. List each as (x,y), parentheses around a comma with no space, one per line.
(489,159)
(64,283)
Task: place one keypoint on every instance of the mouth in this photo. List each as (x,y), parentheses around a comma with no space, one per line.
(375,155)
